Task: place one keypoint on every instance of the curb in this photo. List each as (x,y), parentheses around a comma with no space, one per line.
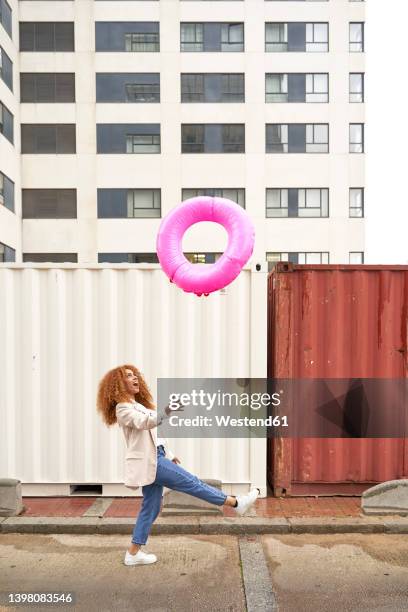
(207,525)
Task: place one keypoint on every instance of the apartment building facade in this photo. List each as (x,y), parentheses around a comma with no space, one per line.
(114,111)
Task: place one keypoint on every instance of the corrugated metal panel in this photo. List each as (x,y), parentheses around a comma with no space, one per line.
(62,328)
(337,322)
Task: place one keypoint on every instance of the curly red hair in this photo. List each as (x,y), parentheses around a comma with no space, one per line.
(112,390)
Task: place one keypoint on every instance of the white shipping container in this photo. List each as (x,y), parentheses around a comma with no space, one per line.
(63,326)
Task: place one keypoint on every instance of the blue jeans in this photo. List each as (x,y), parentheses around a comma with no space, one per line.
(172,476)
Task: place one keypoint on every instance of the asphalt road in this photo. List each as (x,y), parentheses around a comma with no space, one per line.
(339,573)
(197,573)
(333,573)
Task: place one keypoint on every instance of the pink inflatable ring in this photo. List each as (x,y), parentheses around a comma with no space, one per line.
(205,278)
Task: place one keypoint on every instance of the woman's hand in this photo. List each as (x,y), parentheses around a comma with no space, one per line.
(176,460)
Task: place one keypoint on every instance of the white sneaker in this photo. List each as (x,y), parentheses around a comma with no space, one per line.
(246,501)
(140,558)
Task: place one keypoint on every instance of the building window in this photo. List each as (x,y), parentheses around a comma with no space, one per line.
(232,88)
(232,37)
(6,69)
(142,143)
(207,258)
(317,37)
(276,37)
(297,87)
(297,138)
(128,87)
(356,132)
(50,257)
(297,37)
(356,44)
(6,123)
(236,195)
(7,254)
(47,36)
(130,36)
(128,138)
(202,258)
(6,16)
(192,139)
(277,138)
(47,87)
(276,88)
(129,203)
(356,202)
(277,203)
(6,192)
(228,87)
(356,86)
(356,257)
(143,203)
(317,87)
(48,138)
(49,203)
(142,42)
(317,138)
(130,258)
(310,258)
(232,139)
(138,92)
(309,202)
(212,36)
(213,138)
(192,37)
(192,88)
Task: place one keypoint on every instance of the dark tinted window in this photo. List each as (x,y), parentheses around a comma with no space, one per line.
(128,137)
(5,16)
(50,257)
(128,87)
(49,203)
(200,87)
(6,69)
(46,36)
(128,258)
(7,254)
(47,87)
(213,138)
(6,192)
(236,195)
(133,36)
(129,203)
(6,123)
(48,138)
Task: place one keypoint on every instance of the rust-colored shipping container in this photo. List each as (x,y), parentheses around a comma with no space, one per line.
(336,321)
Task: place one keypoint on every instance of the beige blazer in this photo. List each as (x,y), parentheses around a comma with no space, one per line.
(139,428)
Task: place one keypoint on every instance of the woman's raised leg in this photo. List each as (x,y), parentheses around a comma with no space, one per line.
(175,477)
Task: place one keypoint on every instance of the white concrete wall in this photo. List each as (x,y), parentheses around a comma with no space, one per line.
(171,171)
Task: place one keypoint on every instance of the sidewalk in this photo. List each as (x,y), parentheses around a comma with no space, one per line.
(268,507)
(269,515)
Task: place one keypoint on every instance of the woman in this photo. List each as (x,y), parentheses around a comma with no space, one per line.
(124,398)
